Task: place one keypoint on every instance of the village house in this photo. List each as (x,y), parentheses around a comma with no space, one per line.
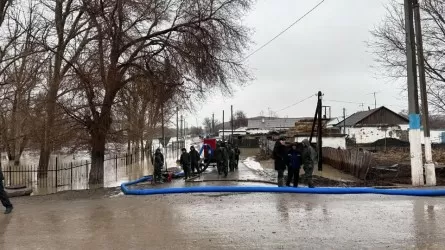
(369,126)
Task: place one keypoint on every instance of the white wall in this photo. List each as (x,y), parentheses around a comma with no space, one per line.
(372,134)
(332,142)
(435,136)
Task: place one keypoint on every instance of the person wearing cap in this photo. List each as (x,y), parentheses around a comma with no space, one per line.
(185,162)
(158,165)
(280,157)
(194,159)
(309,158)
(4,196)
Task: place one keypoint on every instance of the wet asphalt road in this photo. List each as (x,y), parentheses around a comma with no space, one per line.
(225,221)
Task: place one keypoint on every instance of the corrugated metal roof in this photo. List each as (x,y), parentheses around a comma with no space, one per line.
(273,123)
(355,118)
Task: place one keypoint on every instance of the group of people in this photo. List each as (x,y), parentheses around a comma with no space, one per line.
(227,157)
(190,162)
(4,196)
(300,154)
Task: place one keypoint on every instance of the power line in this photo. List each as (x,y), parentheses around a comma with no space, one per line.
(295,103)
(283,31)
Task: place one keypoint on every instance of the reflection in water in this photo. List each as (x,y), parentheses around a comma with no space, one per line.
(425,225)
(282,205)
(75,177)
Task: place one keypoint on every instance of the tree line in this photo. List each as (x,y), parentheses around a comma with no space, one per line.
(84,73)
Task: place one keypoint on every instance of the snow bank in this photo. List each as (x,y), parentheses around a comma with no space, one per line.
(251,163)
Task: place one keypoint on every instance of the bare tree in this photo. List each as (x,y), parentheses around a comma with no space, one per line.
(207,123)
(389,47)
(20,78)
(65,38)
(196,131)
(240,119)
(202,40)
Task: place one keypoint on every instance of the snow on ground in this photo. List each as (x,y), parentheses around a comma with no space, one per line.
(251,163)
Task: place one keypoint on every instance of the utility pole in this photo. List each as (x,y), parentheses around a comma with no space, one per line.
(163,133)
(223,127)
(213,124)
(344,121)
(231,121)
(177,132)
(413,105)
(375,101)
(182,130)
(430,168)
(319,132)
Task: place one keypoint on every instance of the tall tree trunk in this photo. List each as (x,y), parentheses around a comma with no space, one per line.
(97,157)
(46,144)
(99,128)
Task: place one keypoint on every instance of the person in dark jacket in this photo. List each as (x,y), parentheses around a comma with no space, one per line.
(293,169)
(194,159)
(280,159)
(309,158)
(219,157)
(185,163)
(4,196)
(237,154)
(232,161)
(225,159)
(158,165)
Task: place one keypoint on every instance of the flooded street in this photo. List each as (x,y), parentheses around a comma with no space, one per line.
(106,219)
(226,221)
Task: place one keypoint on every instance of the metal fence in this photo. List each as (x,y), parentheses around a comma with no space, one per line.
(72,175)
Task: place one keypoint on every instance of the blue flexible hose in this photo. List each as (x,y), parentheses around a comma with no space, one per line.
(266,189)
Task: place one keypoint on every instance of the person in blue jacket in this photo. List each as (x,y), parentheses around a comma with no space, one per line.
(293,170)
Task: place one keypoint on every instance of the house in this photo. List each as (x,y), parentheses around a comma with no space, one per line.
(272,124)
(374,124)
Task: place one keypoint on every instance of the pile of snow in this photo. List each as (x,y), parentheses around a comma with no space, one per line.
(257,131)
(251,163)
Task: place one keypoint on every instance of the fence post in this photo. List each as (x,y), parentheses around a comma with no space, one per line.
(57,173)
(10,174)
(71,175)
(116,166)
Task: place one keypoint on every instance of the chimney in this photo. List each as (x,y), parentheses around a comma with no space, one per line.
(369,108)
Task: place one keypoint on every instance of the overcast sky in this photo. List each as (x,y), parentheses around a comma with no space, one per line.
(325,51)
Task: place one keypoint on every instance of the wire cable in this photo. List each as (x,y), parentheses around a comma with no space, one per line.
(283,31)
(295,103)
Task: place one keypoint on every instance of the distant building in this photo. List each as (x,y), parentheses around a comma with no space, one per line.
(375,124)
(272,124)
